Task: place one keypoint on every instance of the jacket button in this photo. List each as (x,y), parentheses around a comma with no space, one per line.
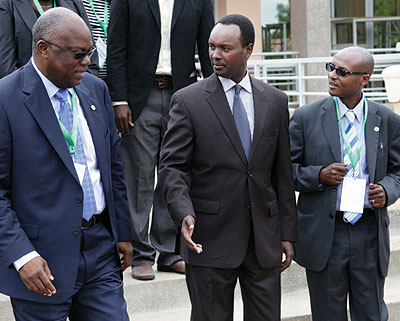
(249,173)
(248,204)
(78,200)
(332,216)
(76,231)
(334,189)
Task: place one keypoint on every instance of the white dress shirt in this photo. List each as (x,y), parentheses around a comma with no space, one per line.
(246,95)
(164,57)
(88,147)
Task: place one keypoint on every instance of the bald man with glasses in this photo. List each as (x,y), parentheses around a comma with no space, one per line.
(346,165)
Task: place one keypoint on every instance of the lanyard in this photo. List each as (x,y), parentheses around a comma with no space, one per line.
(71,139)
(354,157)
(103,23)
(39,6)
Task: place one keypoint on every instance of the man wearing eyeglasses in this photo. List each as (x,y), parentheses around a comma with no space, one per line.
(65,233)
(346,165)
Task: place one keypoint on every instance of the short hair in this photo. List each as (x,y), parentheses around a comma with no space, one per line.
(49,24)
(366,60)
(245,25)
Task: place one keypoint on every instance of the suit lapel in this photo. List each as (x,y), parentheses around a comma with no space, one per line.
(331,128)
(39,105)
(26,12)
(155,9)
(219,104)
(260,115)
(178,4)
(372,127)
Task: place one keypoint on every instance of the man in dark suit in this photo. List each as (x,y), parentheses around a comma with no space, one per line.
(346,154)
(63,207)
(226,173)
(17,18)
(151,54)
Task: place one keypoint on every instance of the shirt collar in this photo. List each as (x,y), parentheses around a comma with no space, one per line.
(50,87)
(358,110)
(228,84)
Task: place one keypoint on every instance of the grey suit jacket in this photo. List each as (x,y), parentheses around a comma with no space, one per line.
(315,143)
(17,18)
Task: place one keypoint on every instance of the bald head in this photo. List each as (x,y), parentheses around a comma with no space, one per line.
(55,22)
(361,57)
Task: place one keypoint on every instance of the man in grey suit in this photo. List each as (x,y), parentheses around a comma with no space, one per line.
(346,165)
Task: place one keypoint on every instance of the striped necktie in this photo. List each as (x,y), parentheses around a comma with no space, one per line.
(352,135)
(241,120)
(66,117)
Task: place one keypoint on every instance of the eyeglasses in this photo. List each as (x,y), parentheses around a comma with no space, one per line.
(78,55)
(342,72)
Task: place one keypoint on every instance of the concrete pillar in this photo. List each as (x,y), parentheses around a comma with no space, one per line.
(248,8)
(311,36)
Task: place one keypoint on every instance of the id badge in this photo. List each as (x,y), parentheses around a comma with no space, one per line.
(101,51)
(353,194)
(80,170)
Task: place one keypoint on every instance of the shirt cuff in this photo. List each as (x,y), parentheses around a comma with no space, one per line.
(25,259)
(117,103)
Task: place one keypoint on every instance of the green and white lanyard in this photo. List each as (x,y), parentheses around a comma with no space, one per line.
(354,157)
(71,138)
(39,6)
(103,23)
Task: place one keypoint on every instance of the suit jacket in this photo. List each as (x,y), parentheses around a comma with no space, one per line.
(17,18)
(40,194)
(204,173)
(134,40)
(315,143)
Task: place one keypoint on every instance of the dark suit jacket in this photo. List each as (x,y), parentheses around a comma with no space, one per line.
(134,41)
(204,173)
(40,195)
(17,18)
(315,143)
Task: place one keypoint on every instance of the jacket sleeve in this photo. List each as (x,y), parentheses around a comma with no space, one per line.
(8,46)
(206,25)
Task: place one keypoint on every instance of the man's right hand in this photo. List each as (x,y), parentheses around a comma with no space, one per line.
(187,232)
(123,119)
(37,277)
(333,174)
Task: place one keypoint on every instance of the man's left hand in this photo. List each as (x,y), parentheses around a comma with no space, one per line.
(287,248)
(125,249)
(377,195)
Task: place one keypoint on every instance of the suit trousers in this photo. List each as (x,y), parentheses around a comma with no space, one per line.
(352,270)
(140,153)
(211,291)
(98,291)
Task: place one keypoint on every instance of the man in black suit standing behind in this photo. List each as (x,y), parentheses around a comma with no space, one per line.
(226,172)
(151,51)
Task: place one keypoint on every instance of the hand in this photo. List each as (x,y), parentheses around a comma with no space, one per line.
(126,250)
(377,195)
(187,232)
(123,119)
(37,277)
(333,174)
(287,248)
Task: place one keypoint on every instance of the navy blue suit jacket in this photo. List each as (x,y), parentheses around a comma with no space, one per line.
(40,195)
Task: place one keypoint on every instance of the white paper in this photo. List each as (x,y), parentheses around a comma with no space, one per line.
(101,51)
(353,193)
(80,170)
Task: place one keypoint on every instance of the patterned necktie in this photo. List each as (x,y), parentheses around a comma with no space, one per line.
(352,136)
(66,117)
(242,123)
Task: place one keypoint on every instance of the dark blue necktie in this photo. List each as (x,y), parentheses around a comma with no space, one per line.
(241,120)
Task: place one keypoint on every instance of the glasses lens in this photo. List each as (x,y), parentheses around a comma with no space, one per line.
(341,72)
(80,55)
(329,67)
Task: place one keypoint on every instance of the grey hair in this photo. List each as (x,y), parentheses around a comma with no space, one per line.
(366,60)
(49,24)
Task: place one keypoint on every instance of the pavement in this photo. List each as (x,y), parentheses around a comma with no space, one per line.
(166,299)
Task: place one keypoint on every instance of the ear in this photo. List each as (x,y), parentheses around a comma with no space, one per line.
(249,50)
(365,79)
(42,48)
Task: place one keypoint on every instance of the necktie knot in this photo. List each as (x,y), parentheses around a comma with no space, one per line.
(350,116)
(62,95)
(237,88)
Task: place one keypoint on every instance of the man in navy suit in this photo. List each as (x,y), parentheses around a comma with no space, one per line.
(64,217)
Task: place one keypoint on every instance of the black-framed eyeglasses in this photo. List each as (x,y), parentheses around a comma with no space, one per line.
(78,55)
(342,72)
